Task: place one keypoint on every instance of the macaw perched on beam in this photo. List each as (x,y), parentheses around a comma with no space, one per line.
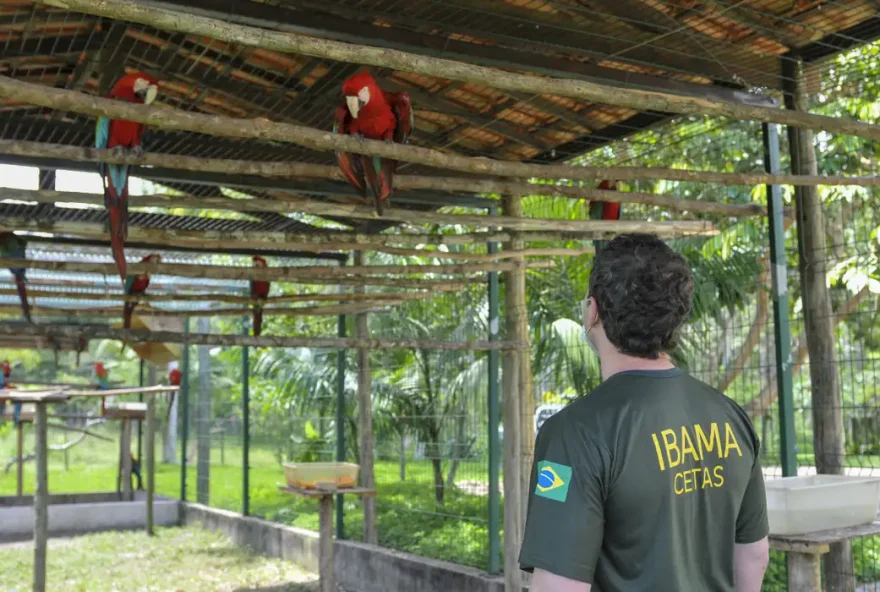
(259,289)
(136,285)
(122,136)
(604,210)
(13,246)
(102,380)
(174,378)
(369,112)
(5,372)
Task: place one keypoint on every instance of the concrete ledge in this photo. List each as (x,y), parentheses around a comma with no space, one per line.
(359,567)
(71,516)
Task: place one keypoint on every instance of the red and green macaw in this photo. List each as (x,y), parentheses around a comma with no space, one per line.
(13,246)
(604,210)
(260,290)
(369,112)
(102,379)
(5,372)
(122,136)
(135,285)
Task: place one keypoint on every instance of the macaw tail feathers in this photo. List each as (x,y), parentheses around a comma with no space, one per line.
(127,312)
(379,173)
(258,320)
(22,295)
(598,244)
(117,209)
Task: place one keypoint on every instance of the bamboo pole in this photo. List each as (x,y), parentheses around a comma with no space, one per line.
(142,336)
(375,297)
(314,275)
(456,184)
(328,209)
(150,460)
(476,185)
(289,42)
(303,311)
(317,242)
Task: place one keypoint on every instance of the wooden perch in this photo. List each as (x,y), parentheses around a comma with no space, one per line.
(323,241)
(462,184)
(289,42)
(174,119)
(111,313)
(377,297)
(141,336)
(326,209)
(351,275)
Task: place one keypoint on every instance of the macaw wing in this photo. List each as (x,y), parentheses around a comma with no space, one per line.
(129,284)
(102,132)
(349,164)
(596,210)
(402,108)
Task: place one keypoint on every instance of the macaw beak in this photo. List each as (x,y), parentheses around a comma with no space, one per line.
(354,105)
(152,91)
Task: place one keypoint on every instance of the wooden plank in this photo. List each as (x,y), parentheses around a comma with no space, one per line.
(41,498)
(827,536)
(322,491)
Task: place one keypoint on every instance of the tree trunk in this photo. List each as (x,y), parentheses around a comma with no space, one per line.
(437,463)
(203,419)
(818,322)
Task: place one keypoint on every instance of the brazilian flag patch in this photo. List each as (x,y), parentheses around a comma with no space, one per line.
(553,480)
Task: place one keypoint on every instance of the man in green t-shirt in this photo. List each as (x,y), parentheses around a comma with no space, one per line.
(653,481)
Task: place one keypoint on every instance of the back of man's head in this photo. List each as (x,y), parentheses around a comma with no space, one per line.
(644,291)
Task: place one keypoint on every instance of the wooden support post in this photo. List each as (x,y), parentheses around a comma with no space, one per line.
(125,461)
(326,558)
(365,418)
(804,572)
(19,460)
(818,319)
(203,420)
(41,497)
(518,330)
(150,459)
(512,418)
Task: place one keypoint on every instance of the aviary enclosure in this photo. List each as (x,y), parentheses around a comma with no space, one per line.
(420,343)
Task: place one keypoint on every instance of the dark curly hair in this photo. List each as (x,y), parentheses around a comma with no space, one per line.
(644,291)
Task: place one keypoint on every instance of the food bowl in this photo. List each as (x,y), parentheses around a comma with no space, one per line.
(797,505)
(321,475)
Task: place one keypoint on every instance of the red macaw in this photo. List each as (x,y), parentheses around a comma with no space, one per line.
(102,379)
(136,285)
(260,290)
(122,136)
(604,210)
(5,372)
(369,112)
(174,378)
(13,246)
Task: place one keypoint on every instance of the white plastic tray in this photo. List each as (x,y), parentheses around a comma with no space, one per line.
(797,505)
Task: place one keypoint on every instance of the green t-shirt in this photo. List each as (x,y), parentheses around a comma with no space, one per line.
(645,484)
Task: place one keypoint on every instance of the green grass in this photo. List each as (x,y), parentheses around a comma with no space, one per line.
(409,518)
(189,559)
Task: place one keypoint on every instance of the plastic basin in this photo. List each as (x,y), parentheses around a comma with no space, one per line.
(798,505)
(325,475)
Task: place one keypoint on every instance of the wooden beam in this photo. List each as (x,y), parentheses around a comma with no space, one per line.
(288,42)
(345,210)
(377,297)
(111,313)
(90,332)
(207,239)
(354,275)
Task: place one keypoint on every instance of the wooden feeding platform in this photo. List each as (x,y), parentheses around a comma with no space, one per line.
(804,552)
(300,483)
(40,399)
